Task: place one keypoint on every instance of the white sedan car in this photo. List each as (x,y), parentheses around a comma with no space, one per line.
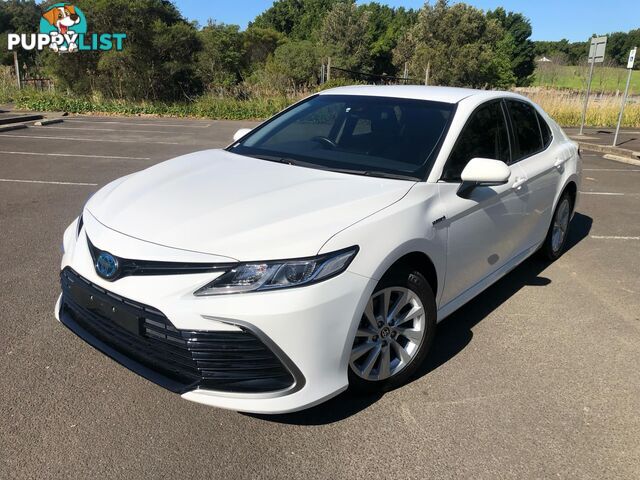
(319,250)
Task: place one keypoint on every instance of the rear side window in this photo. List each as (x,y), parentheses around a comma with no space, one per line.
(545,130)
(485,136)
(525,129)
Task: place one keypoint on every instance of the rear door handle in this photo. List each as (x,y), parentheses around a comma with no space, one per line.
(519,182)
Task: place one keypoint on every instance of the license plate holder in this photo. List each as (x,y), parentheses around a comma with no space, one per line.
(106,309)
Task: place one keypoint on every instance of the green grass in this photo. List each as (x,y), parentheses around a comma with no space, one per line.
(205,106)
(605,79)
(563,105)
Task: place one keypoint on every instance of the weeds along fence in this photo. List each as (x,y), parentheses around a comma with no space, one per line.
(245,101)
(565,107)
(335,73)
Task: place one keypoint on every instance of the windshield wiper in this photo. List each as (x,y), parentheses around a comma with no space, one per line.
(279,159)
(366,173)
(374,173)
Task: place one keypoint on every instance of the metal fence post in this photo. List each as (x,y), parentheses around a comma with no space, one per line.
(630,62)
(586,98)
(16,65)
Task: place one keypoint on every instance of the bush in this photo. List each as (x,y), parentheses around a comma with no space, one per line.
(564,107)
(207,106)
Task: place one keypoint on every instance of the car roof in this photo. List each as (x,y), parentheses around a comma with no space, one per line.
(418,92)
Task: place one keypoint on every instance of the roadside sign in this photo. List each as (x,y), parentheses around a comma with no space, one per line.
(632,57)
(596,55)
(596,49)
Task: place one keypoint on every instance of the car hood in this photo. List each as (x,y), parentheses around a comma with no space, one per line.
(226,204)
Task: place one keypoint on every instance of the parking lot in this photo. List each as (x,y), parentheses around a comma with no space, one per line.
(539,377)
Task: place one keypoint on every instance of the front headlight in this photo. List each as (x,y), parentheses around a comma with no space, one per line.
(249,277)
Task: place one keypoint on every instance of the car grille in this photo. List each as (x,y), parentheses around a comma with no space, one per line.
(144,340)
(128,267)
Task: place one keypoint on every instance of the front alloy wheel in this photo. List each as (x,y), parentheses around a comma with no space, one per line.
(394,334)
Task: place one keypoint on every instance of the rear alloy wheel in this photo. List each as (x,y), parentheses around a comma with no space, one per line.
(394,334)
(558,231)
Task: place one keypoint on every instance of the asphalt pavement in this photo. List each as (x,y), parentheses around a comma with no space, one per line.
(628,138)
(539,377)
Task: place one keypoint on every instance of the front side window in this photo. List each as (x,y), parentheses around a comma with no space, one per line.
(378,136)
(525,129)
(484,136)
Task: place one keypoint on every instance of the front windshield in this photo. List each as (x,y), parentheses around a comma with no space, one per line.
(367,135)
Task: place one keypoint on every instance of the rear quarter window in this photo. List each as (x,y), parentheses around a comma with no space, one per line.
(545,131)
(526,129)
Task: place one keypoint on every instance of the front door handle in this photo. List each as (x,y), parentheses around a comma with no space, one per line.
(560,163)
(519,182)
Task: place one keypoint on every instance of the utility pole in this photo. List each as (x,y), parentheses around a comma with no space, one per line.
(16,65)
(328,69)
(406,73)
(426,73)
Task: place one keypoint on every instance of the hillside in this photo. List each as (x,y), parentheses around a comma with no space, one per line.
(605,79)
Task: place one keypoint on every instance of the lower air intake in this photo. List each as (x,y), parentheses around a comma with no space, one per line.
(144,340)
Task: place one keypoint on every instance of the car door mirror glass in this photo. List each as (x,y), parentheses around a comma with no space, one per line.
(240,133)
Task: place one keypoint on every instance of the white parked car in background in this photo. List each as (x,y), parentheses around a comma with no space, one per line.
(320,249)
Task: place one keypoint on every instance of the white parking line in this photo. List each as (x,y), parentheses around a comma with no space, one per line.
(93,122)
(613,237)
(94,129)
(13,180)
(611,169)
(85,139)
(112,157)
(602,193)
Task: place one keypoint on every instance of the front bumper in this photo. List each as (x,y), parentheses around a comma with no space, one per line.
(144,340)
(299,338)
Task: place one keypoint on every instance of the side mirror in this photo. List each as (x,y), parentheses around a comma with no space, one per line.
(240,133)
(483,172)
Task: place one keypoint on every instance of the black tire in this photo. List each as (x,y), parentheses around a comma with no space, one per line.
(550,250)
(417,283)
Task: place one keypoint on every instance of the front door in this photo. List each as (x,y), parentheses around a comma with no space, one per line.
(484,230)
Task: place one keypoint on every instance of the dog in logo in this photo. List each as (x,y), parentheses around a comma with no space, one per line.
(62,18)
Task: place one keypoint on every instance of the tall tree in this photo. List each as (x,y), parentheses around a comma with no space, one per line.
(572,53)
(297,19)
(220,60)
(343,36)
(523,55)
(259,43)
(385,27)
(18,16)
(460,44)
(294,63)
(157,62)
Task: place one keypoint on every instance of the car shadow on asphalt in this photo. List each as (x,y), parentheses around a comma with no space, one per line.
(454,334)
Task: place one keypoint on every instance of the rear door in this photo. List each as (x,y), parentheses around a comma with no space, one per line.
(541,164)
(484,228)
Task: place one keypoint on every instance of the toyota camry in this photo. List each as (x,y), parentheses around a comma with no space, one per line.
(320,249)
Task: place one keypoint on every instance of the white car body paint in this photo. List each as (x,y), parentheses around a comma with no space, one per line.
(215,207)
